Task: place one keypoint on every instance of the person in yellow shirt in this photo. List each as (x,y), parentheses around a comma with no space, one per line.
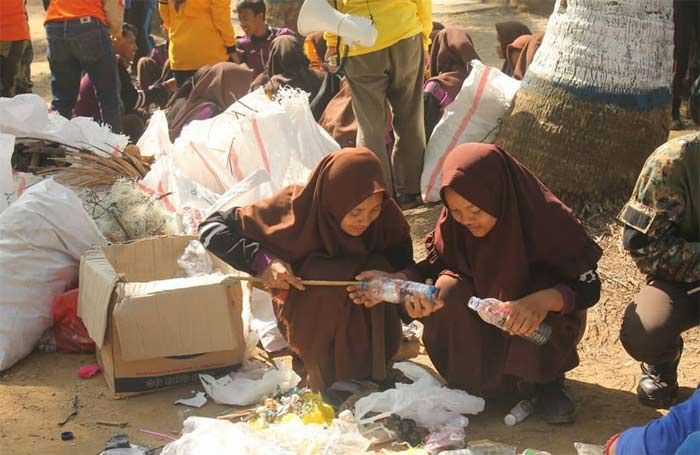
(200,33)
(392,69)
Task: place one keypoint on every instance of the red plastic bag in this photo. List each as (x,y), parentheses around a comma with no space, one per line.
(69,332)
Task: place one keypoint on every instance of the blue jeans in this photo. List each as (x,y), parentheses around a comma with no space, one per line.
(77,46)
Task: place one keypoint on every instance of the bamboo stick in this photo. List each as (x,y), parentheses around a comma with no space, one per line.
(233,279)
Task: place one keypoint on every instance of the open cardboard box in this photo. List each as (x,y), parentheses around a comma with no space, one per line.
(152,328)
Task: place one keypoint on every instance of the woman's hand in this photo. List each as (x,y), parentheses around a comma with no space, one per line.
(528,313)
(279,275)
(331,52)
(363,297)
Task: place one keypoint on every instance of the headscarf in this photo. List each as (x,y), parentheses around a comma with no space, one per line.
(437,26)
(536,241)
(220,87)
(507,33)
(339,119)
(300,220)
(288,65)
(451,53)
(527,54)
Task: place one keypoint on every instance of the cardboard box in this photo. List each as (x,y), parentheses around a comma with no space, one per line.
(152,328)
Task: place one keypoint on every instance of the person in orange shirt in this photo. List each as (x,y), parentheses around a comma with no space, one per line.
(14,40)
(78,35)
(200,33)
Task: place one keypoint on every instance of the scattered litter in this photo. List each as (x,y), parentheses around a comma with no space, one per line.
(520,412)
(7,187)
(451,436)
(67,436)
(163,436)
(413,331)
(119,445)
(202,436)
(534,452)
(250,384)
(588,449)
(89,371)
(195,260)
(73,412)
(486,447)
(425,401)
(197,401)
(107,423)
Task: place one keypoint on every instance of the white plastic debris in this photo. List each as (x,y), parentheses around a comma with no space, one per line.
(250,384)
(202,436)
(195,261)
(425,401)
(197,401)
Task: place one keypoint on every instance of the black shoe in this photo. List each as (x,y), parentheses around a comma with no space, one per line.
(554,404)
(658,386)
(409,201)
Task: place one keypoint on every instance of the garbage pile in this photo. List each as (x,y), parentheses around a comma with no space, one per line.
(69,186)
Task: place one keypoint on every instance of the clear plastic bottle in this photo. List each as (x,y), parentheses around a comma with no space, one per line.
(495,313)
(520,412)
(396,291)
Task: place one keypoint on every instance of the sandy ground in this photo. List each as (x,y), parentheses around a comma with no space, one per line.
(37,393)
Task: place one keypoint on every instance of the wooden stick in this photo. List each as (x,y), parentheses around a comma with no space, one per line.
(693,291)
(253,279)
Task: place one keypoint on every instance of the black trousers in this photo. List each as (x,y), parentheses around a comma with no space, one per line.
(686,37)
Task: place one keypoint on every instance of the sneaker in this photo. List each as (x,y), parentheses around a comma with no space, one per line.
(554,404)
(658,386)
(409,201)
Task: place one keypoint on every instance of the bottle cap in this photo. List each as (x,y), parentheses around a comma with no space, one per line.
(510,420)
(474,303)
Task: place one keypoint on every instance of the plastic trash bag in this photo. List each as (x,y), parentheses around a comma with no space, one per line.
(425,401)
(474,116)
(70,334)
(250,384)
(450,436)
(195,261)
(42,236)
(202,436)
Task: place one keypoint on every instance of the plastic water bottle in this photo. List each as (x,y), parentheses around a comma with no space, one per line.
(495,313)
(396,291)
(520,412)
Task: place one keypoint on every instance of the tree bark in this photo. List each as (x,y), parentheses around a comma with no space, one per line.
(595,101)
(283,13)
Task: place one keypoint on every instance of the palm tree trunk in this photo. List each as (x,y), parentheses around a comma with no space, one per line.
(283,13)
(595,101)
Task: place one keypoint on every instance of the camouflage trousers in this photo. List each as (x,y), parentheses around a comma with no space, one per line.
(15,62)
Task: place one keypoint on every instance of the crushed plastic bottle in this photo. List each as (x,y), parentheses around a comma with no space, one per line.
(396,291)
(520,412)
(495,313)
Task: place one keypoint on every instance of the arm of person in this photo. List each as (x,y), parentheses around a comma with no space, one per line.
(664,435)
(114,12)
(164,10)
(221,17)
(425,14)
(219,235)
(666,256)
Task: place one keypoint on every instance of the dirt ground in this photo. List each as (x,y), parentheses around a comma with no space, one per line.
(37,393)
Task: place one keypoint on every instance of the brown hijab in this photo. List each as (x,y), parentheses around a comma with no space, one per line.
(451,53)
(287,65)
(507,33)
(220,86)
(536,242)
(527,55)
(339,119)
(300,220)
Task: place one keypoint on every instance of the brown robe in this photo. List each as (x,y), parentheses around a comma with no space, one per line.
(527,55)
(508,32)
(335,338)
(537,243)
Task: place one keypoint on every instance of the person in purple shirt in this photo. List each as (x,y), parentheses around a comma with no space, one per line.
(677,433)
(254,48)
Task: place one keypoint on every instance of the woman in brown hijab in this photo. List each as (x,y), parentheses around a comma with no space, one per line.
(526,54)
(506,33)
(288,65)
(340,224)
(451,52)
(214,91)
(503,234)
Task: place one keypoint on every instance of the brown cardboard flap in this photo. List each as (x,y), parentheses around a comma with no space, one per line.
(97,283)
(149,259)
(183,316)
